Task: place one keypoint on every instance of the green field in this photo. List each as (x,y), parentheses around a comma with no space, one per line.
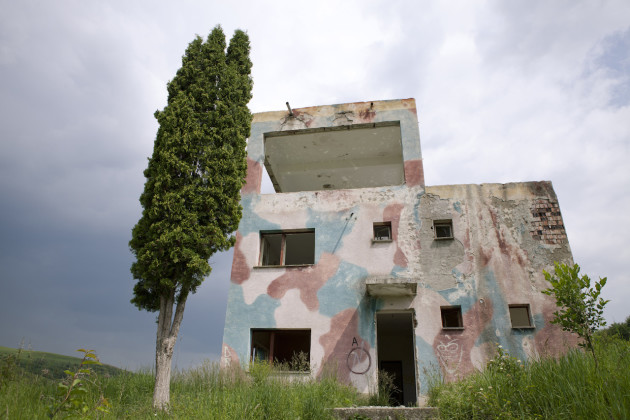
(570,387)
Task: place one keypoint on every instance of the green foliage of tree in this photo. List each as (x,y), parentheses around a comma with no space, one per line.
(581,307)
(618,329)
(191,201)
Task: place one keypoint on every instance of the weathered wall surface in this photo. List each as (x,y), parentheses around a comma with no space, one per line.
(495,259)
(504,236)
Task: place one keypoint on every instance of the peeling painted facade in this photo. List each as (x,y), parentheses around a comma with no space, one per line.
(403,277)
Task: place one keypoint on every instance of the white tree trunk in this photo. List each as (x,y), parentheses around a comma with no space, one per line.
(167,330)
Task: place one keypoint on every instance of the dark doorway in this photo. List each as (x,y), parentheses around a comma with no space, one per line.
(396,356)
(394,370)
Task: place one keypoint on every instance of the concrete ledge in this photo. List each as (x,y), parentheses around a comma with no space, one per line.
(386,413)
(390,286)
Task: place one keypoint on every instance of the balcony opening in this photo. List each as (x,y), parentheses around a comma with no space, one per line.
(331,158)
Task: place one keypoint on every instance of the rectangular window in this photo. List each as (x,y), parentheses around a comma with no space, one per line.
(443,229)
(291,348)
(382,231)
(452,317)
(520,316)
(287,248)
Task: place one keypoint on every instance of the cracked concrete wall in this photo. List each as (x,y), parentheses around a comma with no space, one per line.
(504,235)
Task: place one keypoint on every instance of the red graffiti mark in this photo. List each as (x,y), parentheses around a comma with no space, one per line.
(414,172)
(308,280)
(453,347)
(253,178)
(240,269)
(392,214)
(344,327)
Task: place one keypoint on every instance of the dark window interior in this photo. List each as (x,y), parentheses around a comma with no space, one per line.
(383,231)
(452,317)
(289,347)
(443,229)
(519,315)
(271,247)
(290,248)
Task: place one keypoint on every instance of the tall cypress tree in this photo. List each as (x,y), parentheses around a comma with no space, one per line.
(191,202)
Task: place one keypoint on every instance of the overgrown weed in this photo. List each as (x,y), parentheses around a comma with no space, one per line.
(568,387)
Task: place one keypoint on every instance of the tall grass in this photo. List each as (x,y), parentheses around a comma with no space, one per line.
(202,393)
(570,387)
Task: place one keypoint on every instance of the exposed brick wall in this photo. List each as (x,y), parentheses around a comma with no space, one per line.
(547,225)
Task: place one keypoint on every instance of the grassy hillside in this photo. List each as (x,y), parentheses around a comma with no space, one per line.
(50,365)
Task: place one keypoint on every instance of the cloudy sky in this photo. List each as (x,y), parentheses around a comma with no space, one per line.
(506,91)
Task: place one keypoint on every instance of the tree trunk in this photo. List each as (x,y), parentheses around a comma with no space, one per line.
(167,330)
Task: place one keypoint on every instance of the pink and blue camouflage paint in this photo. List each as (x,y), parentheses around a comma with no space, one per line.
(362,299)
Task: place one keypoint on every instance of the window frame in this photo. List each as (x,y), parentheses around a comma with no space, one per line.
(272,346)
(452,308)
(379,225)
(529,315)
(443,222)
(283,234)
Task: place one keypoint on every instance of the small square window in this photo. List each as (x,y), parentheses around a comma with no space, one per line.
(520,317)
(382,231)
(287,248)
(443,229)
(452,317)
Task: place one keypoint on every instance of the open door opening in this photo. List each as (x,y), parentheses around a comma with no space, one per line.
(396,356)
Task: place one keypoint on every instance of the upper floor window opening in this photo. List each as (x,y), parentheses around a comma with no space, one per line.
(287,248)
(443,229)
(382,232)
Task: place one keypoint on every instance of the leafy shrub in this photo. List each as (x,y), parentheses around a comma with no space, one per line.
(73,398)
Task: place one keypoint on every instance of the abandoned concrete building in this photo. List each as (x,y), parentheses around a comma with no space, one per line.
(357,266)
